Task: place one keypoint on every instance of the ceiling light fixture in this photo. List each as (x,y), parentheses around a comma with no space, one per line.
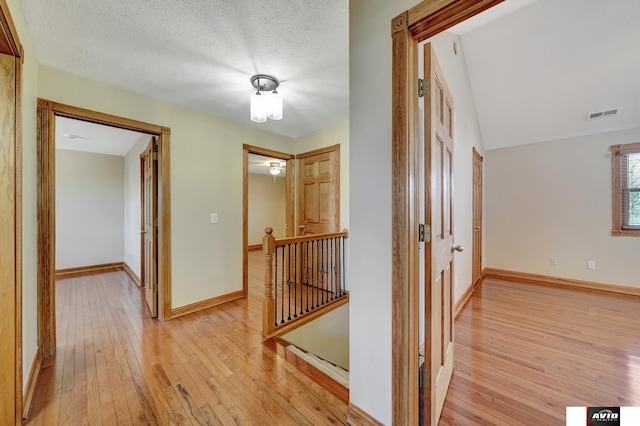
(274,168)
(264,104)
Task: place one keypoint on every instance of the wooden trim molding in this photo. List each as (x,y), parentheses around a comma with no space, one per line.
(460,304)
(307,318)
(31,384)
(404,158)
(11,395)
(254,247)
(132,275)
(319,151)
(527,278)
(47,111)
(91,269)
(415,25)
(9,40)
(205,304)
(356,416)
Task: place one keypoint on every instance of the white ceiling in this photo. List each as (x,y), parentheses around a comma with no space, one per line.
(201,53)
(536,73)
(79,135)
(536,67)
(259,164)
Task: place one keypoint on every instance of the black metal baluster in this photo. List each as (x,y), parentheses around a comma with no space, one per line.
(282,289)
(306,289)
(303,279)
(275,288)
(343,269)
(289,285)
(295,280)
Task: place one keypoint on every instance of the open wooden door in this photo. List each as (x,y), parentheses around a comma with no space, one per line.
(477,217)
(149,168)
(438,149)
(319,191)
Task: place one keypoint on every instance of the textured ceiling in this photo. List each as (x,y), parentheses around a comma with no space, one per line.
(79,135)
(536,73)
(201,53)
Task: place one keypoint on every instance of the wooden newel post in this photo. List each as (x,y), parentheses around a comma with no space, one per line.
(268,310)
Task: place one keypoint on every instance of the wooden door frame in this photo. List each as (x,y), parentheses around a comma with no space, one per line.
(411,27)
(476,278)
(10,45)
(336,189)
(47,111)
(290,197)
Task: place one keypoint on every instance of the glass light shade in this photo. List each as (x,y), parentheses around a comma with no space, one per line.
(274,168)
(274,111)
(258,108)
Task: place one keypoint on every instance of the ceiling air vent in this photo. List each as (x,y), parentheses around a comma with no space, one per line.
(601,114)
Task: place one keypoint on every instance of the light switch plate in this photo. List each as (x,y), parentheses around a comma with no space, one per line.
(214,217)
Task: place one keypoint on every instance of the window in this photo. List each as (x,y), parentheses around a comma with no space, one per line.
(626,189)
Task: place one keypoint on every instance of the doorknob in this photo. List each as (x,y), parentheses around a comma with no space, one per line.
(457,248)
(301,226)
(476,227)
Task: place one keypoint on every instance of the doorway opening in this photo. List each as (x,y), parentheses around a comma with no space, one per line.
(48,112)
(265,156)
(411,27)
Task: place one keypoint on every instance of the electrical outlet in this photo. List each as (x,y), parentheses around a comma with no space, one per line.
(553,260)
(591,264)
(214,217)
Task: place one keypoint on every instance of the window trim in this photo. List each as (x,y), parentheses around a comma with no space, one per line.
(617,151)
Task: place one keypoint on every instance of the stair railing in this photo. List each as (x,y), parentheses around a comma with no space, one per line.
(304,277)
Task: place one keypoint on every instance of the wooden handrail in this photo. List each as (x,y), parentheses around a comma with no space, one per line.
(291,240)
(304,277)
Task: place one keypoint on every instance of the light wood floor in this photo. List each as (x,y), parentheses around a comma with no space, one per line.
(523,353)
(115,365)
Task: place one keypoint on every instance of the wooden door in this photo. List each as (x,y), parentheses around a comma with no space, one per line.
(319,191)
(477,217)
(149,168)
(438,149)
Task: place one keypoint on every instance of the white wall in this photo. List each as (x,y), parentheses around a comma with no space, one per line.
(132,205)
(89,209)
(206,177)
(337,134)
(554,199)
(267,207)
(29,191)
(327,336)
(370,203)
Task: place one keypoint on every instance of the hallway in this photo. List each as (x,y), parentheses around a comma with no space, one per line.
(115,365)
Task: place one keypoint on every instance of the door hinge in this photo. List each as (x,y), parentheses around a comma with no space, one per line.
(155,221)
(424,379)
(154,155)
(424,85)
(424,233)
(155,286)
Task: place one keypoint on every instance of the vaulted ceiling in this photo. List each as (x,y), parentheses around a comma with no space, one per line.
(536,67)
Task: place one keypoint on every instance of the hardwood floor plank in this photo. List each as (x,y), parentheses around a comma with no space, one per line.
(115,365)
(525,352)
